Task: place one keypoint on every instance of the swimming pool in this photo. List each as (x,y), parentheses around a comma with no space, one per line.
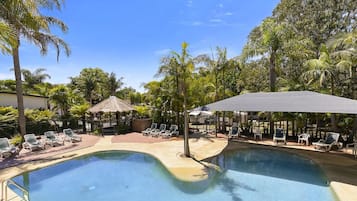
(254,174)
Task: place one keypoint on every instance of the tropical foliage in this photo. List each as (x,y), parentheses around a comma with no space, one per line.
(303,45)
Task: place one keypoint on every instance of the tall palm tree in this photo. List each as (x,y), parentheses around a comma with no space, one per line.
(27,22)
(186,67)
(180,66)
(267,40)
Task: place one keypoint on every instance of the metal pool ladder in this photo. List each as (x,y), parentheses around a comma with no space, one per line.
(4,191)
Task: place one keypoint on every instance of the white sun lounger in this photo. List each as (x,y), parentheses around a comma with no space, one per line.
(330,141)
(6,148)
(32,143)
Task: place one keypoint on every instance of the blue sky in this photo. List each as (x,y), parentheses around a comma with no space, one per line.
(129,37)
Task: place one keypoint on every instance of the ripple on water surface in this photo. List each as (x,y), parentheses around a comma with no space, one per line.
(247,175)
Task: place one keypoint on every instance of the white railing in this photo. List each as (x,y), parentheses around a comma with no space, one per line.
(4,190)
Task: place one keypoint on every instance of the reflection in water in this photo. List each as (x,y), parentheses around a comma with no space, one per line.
(247,176)
(271,163)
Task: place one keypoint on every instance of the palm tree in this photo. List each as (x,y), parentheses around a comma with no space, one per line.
(7,38)
(180,66)
(186,67)
(91,83)
(170,69)
(321,69)
(266,40)
(114,84)
(26,21)
(35,77)
(217,66)
(61,97)
(80,111)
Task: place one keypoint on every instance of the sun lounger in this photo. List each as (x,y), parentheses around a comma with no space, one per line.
(158,132)
(279,135)
(32,143)
(71,136)
(330,141)
(257,133)
(6,148)
(172,131)
(234,132)
(52,139)
(147,131)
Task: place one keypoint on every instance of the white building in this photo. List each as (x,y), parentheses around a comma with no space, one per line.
(30,101)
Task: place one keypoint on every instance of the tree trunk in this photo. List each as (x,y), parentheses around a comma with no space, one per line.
(84,124)
(272,80)
(272,73)
(354,96)
(186,144)
(19,93)
(333,115)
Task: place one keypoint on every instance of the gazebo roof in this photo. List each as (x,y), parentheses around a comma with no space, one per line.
(111,104)
(291,101)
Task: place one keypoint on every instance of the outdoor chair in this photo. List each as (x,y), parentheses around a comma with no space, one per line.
(158,132)
(233,132)
(32,143)
(304,137)
(330,141)
(172,131)
(71,136)
(257,133)
(52,139)
(354,148)
(147,131)
(279,135)
(6,148)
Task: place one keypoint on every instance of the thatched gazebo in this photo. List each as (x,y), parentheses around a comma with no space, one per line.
(112,105)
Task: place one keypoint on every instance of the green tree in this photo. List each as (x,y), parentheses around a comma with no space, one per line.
(317,20)
(91,83)
(61,97)
(185,69)
(27,22)
(36,77)
(114,84)
(79,111)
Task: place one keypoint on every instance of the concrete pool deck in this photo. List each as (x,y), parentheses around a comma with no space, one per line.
(341,169)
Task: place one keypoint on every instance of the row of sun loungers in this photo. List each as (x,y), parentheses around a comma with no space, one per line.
(31,142)
(155,132)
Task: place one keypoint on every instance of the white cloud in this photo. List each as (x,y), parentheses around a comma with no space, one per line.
(220,5)
(196,23)
(216,20)
(189,3)
(162,52)
(228,13)
(192,23)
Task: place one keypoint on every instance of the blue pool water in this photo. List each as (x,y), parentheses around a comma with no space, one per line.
(249,175)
